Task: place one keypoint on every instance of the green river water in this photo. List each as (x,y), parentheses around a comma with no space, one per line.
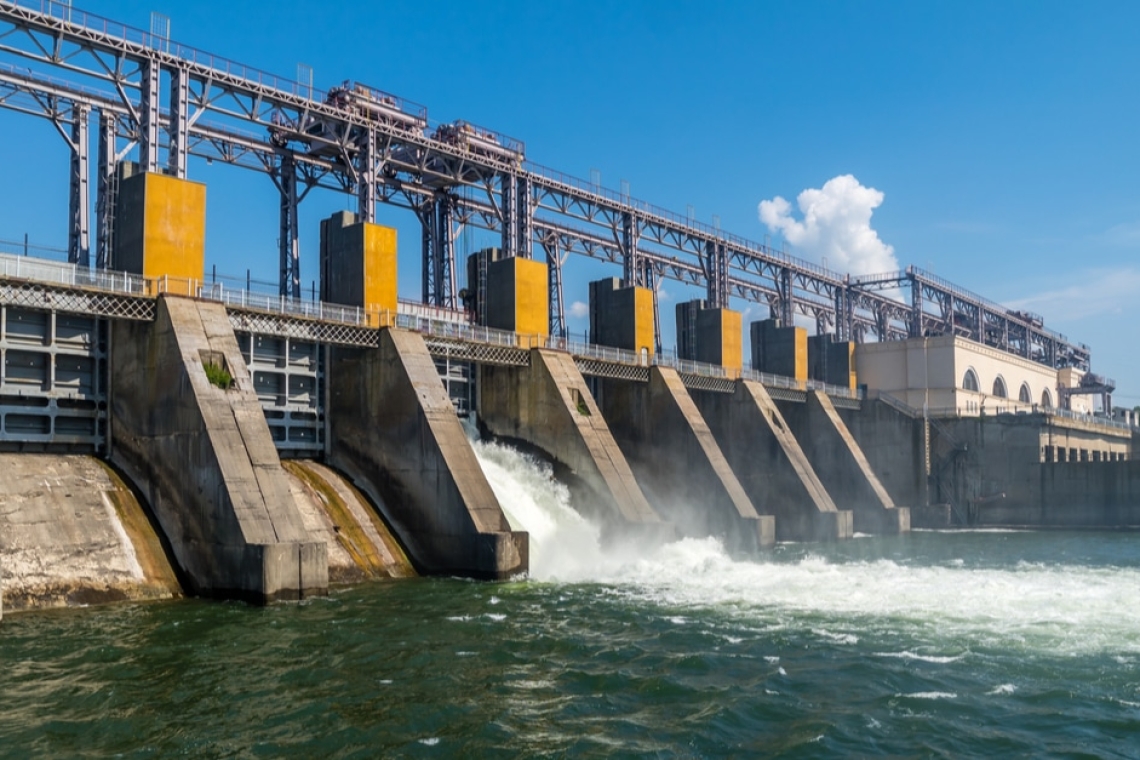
(972,644)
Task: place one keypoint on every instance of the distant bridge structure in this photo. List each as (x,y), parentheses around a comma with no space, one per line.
(148,97)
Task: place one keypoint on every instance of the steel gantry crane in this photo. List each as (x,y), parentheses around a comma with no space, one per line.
(161,102)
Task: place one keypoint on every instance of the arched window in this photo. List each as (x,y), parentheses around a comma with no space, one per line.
(999,388)
(970,381)
(1046,399)
(1023,395)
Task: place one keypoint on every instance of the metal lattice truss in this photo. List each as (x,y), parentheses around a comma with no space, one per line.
(788,394)
(611,370)
(706,383)
(477,353)
(940,307)
(37,295)
(299,328)
(162,102)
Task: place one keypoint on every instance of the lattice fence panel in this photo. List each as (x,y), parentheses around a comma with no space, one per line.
(34,295)
(707,383)
(787,394)
(612,370)
(286,326)
(479,353)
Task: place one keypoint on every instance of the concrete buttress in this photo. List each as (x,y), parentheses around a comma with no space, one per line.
(204,457)
(678,463)
(771,465)
(548,406)
(841,465)
(394,431)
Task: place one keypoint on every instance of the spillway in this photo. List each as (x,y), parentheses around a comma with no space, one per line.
(564,545)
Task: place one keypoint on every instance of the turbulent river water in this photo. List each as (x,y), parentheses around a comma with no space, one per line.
(966,644)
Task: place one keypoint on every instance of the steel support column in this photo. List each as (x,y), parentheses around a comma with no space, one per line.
(509,211)
(915,326)
(633,272)
(79,230)
(446,291)
(843,312)
(288,240)
(367,173)
(437,219)
(105,191)
(787,304)
(149,114)
(554,261)
(524,216)
(179,121)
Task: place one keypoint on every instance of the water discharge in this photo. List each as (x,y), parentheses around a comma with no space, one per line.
(874,585)
(564,546)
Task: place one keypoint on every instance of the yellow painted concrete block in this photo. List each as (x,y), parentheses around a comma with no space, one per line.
(380,261)
(168,217)
(643,320)
(532,306)
(732,341)
(801,354)
(517,299)
(853,377)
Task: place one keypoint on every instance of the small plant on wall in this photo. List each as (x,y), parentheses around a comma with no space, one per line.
(214,363)
(218,375)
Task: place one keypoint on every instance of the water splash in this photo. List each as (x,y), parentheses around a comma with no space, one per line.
(1069,607)
(564,546)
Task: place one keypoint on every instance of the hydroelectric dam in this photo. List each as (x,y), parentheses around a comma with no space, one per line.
(164,431)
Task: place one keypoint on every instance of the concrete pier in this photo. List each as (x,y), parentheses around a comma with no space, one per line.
(203,457)
(393,430)
(842,468)
(678,464)
(771,465)
(548,406)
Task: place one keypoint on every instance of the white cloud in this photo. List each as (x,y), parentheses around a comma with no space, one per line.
(836,226)
(579,310)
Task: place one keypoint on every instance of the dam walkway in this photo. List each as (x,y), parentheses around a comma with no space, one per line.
(54,347)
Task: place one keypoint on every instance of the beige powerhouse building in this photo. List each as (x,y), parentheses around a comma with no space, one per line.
(951,375)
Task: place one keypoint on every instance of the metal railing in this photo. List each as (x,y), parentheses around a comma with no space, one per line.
(68,275)
(429,320)
(114,30)
(1005,409)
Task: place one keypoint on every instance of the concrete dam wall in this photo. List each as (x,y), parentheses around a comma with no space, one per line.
(236,511)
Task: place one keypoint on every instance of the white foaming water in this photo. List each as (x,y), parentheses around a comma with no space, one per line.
(564,546)
(1063,609)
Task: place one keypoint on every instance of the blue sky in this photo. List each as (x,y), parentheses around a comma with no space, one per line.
(1001,136)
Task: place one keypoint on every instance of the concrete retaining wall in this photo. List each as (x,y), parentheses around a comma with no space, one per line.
(548,406)
(204,458)
(72,533)
(998,478)
(394,431)
(678,463)
(771,465)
